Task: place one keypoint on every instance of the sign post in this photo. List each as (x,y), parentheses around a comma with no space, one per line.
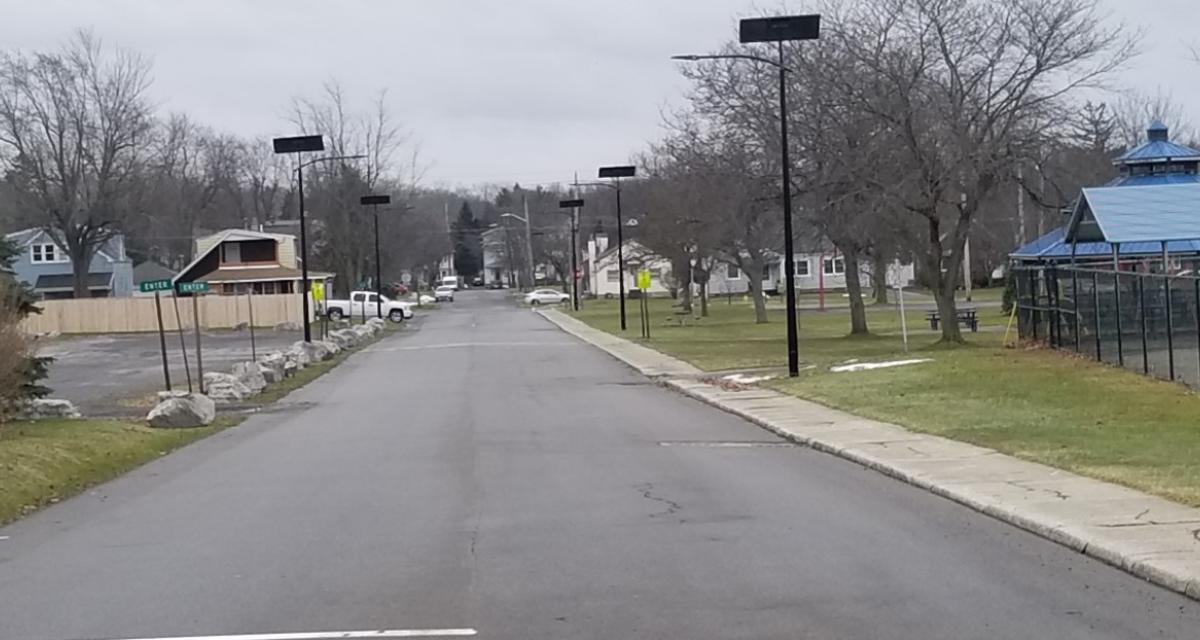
(318,294)
(157,286)
(250,308)
(196,288)
(643,283)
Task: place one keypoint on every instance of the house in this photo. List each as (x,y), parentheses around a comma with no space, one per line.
(237,261)
(147,271)
(497,265)
(44,265)
(814,271)
(603,272)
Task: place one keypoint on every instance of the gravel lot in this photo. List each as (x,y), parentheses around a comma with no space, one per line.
(106,375)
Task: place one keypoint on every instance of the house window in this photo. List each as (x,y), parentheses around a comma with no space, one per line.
(613,275)
(802,268)
(835,266)
(231,253)
(766,272)
(732,272)
(47,252)
(656,274)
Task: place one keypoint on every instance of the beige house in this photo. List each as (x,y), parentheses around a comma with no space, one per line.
(237,261)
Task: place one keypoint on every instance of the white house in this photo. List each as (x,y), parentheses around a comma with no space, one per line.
(814,271)
(603,273)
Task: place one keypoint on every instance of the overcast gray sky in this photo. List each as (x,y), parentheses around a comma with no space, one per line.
(518,90)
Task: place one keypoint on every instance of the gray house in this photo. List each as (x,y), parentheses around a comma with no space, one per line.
(44,265)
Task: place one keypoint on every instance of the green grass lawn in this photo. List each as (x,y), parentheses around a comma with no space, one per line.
(1036,404)
(48,460)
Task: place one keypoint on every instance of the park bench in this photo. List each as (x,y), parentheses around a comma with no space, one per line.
(965,317)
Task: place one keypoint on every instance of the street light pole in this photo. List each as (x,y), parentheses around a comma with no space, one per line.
(375,201)
(777,30)
(616,173)
(573,205)
(789,266)
(299,145)
(529,243)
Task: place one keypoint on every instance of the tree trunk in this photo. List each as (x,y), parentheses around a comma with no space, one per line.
(684,281)
(756,291)
(879,284)
(943,285)
(81,261)
(858,310)
(704,299)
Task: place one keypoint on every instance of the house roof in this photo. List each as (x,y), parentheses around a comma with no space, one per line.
(110,249)
(1054,246)
(227,235)
(150,270)
(261,274)
(66,282)
(1154,213)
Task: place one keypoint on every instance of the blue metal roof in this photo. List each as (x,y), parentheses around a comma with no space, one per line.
(1157,151)
(1157,148)
(1153,179)
(1054,246)
(1137,214)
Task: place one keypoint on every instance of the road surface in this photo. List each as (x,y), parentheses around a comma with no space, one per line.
(488,472)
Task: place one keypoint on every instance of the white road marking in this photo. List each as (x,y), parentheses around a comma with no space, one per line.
(333,635)
(867,366)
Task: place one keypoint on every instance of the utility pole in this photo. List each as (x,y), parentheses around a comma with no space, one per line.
(1020,207)
(528,241)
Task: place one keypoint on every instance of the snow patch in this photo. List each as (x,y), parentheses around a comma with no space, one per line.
(867,366)
(745,379)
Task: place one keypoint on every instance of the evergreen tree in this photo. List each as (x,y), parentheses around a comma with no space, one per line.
(20,298)
(468,248)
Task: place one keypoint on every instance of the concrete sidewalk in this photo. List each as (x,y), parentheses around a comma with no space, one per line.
(1147,536)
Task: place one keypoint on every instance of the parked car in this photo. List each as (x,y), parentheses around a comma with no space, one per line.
(365,303)
(452,281)
(546,296)
(444,293)
(495,284)
(477,282)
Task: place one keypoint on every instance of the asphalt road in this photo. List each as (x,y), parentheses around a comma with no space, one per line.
(489,472)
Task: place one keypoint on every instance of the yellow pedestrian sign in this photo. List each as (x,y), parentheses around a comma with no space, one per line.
(643,279)
(318,289)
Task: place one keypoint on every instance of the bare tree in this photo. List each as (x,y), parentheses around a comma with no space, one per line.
(73,126)
(964,88)
(344,240)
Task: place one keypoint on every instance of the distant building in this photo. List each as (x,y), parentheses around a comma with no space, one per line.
(45,266)
(238,261)
(814,271)
(147,271)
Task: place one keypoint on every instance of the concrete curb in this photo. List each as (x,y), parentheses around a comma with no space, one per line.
(1098,519)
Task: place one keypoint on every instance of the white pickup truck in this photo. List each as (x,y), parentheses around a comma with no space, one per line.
(365,303)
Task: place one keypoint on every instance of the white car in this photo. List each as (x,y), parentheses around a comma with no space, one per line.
(546,296)
(444,293)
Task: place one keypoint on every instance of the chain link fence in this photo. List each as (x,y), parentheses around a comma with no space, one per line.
(1145,322)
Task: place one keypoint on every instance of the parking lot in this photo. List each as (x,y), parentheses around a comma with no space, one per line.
(112,375)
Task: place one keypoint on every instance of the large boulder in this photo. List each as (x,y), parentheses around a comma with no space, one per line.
(290,368)
(344,338)
(376,322)
(364,332)
(40,408)
(182,410)
(273,367)
(332,347)
(306,353)
(250,375)
(225,388)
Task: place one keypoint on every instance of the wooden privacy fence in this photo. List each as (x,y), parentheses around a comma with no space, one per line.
(125,315)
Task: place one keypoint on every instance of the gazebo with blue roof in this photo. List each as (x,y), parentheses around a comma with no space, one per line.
(1149,207)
